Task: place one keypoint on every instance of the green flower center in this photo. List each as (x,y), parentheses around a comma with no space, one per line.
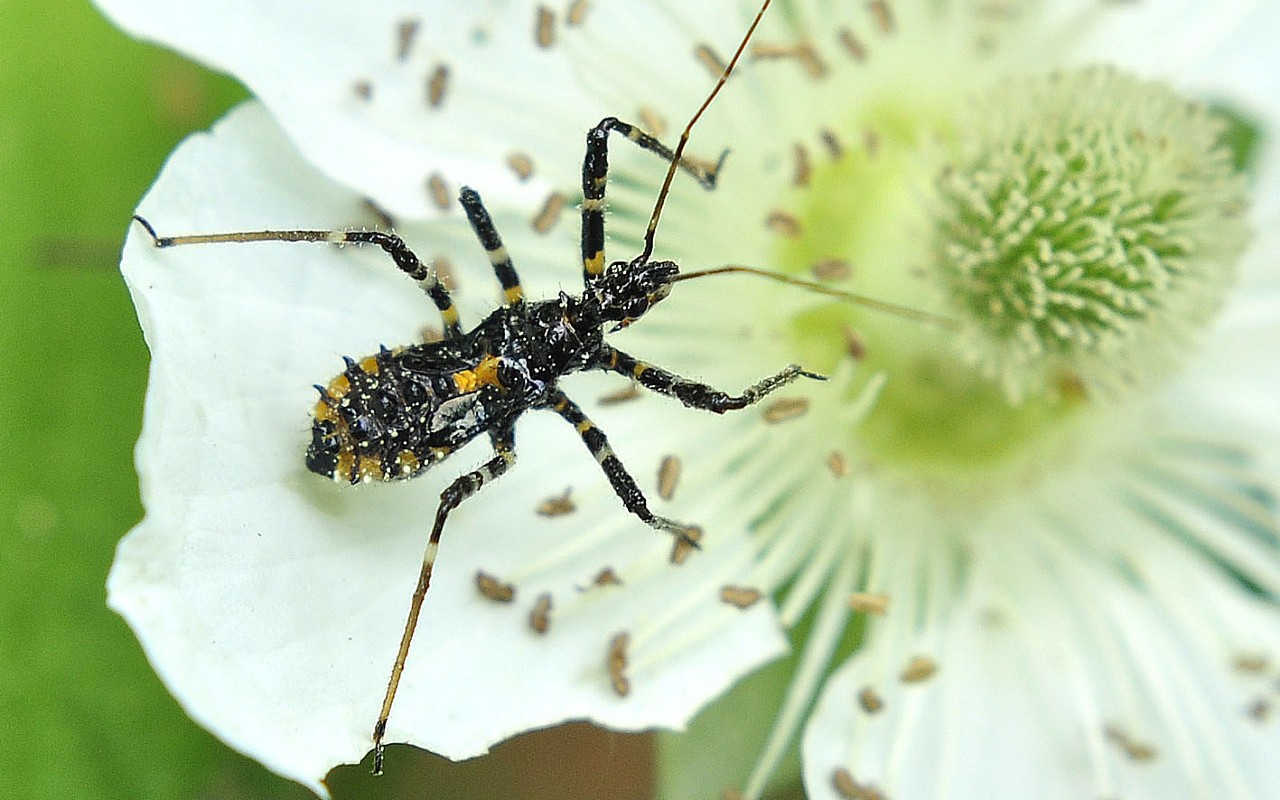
(1079,229)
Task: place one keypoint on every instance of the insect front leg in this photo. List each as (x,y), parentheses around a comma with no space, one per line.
(450,498)
(393,245)
(595,169)
(623,484)
(482,224)
(692,393)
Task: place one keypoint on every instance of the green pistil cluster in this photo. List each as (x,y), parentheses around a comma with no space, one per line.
(1079,228)
(1088,229)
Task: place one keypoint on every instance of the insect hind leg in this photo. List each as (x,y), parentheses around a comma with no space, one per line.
(623,484)
(462,488)
(391,244)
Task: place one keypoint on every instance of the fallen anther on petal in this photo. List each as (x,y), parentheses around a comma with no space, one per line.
(606,577)
(653,124)
(870,700)
(1259,710)
(406,32)
(617,664)
(439,191)
(550,212)
(848,788)
(708,58)
(385,220)
(832,142)
(854,344)
(685,544)
(869,602)
(871,142)
(557,506)
(831,269)
(785,409)
(668,476)
(540,616)
(783,224)
(495,589)
(838,464)
(577,13)
(919,669)
(730,793)
(544,29)
(363,89)
(742,597)
(1134,750)
(883,13)
(437,83)
(853,45)
(803,52)
(631,392)
(1254,663)
(800,156)
(521,164)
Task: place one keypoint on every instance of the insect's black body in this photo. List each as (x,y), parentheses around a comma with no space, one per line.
(393,415)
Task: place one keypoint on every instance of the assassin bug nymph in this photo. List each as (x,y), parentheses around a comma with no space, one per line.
(393,415)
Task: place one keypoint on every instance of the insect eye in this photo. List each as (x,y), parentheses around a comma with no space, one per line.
(363,428)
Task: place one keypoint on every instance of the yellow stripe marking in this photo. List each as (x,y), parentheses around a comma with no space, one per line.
(595,264)
(514,295)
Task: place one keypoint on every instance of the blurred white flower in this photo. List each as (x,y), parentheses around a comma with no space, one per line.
(1056,516)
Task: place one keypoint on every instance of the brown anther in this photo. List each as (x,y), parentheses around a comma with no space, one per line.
(870,700)
(363,89)
(668,476)
(853,45)
(869,603)
(521,164)
(785,409)
(686,544)
(406,31)
(540,616)
(838,464)
(557,506)
(494,589)
(577,13)
(800,156)
(782,223)
(708,58)
(439,191)
(832,269)
(742,597)
(919,669)
(617,664)
(551,208)
(544,28)
(437,84)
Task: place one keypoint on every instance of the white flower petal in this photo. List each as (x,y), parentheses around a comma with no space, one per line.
(1056,677)
(271,602)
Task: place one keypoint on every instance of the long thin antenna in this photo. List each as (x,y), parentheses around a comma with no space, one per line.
(684,137)
(853,298)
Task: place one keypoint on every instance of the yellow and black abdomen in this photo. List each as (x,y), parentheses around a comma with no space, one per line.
(390,416)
